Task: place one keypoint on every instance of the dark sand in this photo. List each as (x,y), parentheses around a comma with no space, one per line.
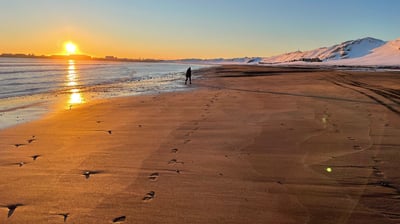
(249,145)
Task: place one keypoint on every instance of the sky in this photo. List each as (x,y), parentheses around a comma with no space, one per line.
(171,29)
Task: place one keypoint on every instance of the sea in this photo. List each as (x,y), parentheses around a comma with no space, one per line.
(30,87)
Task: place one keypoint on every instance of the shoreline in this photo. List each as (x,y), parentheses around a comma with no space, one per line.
(248,145)
(18,109)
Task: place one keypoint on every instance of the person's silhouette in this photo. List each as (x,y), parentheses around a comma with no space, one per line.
(188,75)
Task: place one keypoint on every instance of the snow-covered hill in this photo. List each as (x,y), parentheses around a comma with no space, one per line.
(361,52)
(346,50)
(385,55)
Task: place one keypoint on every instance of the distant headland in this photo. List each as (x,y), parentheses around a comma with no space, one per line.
(78,57)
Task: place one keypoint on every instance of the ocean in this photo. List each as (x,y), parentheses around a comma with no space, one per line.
(29,88)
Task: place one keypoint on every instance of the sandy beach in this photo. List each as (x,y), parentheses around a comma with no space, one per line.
(249,144)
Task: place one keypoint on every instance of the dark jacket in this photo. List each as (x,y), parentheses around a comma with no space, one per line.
(189,72)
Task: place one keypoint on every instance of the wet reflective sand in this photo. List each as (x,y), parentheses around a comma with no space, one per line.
(250,145)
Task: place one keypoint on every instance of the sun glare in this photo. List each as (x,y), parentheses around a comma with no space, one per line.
(70,48)
(72,81)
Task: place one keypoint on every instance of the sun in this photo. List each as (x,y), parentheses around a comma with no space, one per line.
(70,48)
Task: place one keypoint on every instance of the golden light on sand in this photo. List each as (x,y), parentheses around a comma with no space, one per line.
(328,169)
(70,48)
(75,96)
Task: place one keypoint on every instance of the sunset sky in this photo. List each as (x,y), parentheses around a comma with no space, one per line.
(191,28)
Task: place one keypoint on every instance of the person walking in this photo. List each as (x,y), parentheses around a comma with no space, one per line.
(188,75)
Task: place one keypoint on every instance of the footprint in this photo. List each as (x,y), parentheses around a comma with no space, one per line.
(175,171)
(385,184)
(154,176)
(20,164)
(119,219)
(376,160)
(34,157)
(149,196)
(65,215)
(377,172)
(174,150)
(186,141)
(356,147)
(351,138)
(31,140)
(18,145)
(88,173)
(11,208)
(173,161)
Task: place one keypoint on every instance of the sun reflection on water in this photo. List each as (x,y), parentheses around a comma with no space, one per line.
(75,96)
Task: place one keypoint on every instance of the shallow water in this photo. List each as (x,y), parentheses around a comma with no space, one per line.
(29,88)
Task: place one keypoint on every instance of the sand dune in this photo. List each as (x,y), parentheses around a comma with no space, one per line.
(247,145)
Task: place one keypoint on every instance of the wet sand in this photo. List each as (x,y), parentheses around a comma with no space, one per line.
(248,145)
